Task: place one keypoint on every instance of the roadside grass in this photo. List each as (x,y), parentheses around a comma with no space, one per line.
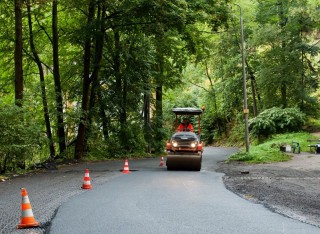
(269,151)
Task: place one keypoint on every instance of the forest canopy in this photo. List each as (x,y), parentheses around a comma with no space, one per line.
(98,79)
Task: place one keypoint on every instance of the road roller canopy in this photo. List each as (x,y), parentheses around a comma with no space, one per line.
(188,111)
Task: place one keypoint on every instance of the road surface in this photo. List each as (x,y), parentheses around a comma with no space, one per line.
(154,200)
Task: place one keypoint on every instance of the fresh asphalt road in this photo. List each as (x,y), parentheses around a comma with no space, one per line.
(154,200)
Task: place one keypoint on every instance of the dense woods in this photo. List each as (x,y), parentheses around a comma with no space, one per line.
(97,79)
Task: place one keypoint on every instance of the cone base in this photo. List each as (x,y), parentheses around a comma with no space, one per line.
(126,172)
(29,225)
(86,187)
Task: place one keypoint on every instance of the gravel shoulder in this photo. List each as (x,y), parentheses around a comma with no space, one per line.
(289,188)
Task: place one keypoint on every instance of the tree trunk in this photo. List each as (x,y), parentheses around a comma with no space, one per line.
(42,84)
(18,53)
(159,86)
(3,168)
(282,23)
(159,112)
(99,42)
(79,149)
(121,90)
(146,115)
(119,79)
(283,88)
(124,101)
(302,81)
(254,98)
(254,89)
(103,116)
(57,82)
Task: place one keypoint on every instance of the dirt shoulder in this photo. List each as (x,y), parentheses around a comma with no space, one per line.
(290,188)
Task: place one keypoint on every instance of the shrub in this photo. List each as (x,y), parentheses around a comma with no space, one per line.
(21,138)
(277,120)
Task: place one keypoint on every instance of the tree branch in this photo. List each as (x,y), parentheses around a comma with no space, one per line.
(44,29)
(198,86)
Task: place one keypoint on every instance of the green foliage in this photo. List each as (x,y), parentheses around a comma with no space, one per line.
(269,151)
(236,136)
(312,125)
(21,138)
(127,141)
(214,122)
(191,48)
(285,52)
(277,120)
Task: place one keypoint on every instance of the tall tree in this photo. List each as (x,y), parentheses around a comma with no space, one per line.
(57,80)
(80,144)
(18,55)
(42,82)
(284,26)
(98,54)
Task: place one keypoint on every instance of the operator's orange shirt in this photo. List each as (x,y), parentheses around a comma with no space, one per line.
(183,128)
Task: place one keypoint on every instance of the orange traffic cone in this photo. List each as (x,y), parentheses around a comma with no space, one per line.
(161,162)
(86,180)
(27,219)
(126,167)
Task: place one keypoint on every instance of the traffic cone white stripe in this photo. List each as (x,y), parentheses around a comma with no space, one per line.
(27,213)
(25,200)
